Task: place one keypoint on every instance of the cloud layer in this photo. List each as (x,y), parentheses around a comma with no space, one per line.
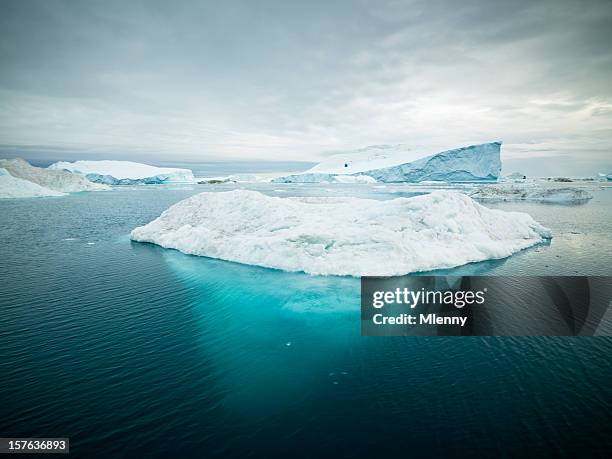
(293,80)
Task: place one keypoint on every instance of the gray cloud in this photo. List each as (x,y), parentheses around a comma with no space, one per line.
(292,80)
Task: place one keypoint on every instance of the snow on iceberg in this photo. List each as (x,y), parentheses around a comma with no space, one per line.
(398,163)
(14,187)
(57,180)
(531,193)
(341,236)
(125,172)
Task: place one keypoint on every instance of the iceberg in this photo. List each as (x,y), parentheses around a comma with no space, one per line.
(398,163)
(342,236)
(236,178)
(57,180)
(515,176)
(306,177)
(125,172)
(531,193)
(324,178)
(14,187)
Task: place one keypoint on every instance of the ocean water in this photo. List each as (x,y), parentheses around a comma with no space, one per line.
(133,350)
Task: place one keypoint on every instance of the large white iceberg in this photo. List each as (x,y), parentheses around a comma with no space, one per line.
(398,163)
(532,193)
(342,236)
(13,187)
(125,172)
(57,180)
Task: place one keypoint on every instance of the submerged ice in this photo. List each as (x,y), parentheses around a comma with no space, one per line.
(342,236)
(397,163)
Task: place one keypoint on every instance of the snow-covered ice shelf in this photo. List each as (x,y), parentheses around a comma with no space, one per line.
(342,236)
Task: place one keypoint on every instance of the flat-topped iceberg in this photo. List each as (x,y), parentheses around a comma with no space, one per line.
(57,180)
(14,187)
(398,163)
(125,172)
(531,193)
(342,236)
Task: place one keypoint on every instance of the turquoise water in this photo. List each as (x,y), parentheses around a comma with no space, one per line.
(133,350)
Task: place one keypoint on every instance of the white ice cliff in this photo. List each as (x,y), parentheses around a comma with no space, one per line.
(397,163)
(13,187)
(57,180)
(125,172)
(342,236)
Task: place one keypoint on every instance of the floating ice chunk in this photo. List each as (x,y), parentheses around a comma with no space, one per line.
(306,178)
(13,187)
(125,172)
(515,176)
(236,178)
(531,193)
(342,236)
(57,180)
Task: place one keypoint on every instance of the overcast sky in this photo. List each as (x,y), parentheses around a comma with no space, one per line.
(292,80)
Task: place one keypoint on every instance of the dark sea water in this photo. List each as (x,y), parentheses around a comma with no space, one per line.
(136,351)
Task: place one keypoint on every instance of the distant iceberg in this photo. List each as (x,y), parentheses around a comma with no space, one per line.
(57,180)
(125,172)
(14,187)
(397,163)
(234,178)
(515,176)
(342,236)
(531,193)
(604,177)
(324,178)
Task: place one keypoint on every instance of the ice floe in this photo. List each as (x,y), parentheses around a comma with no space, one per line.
(531,193)
(342,236)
